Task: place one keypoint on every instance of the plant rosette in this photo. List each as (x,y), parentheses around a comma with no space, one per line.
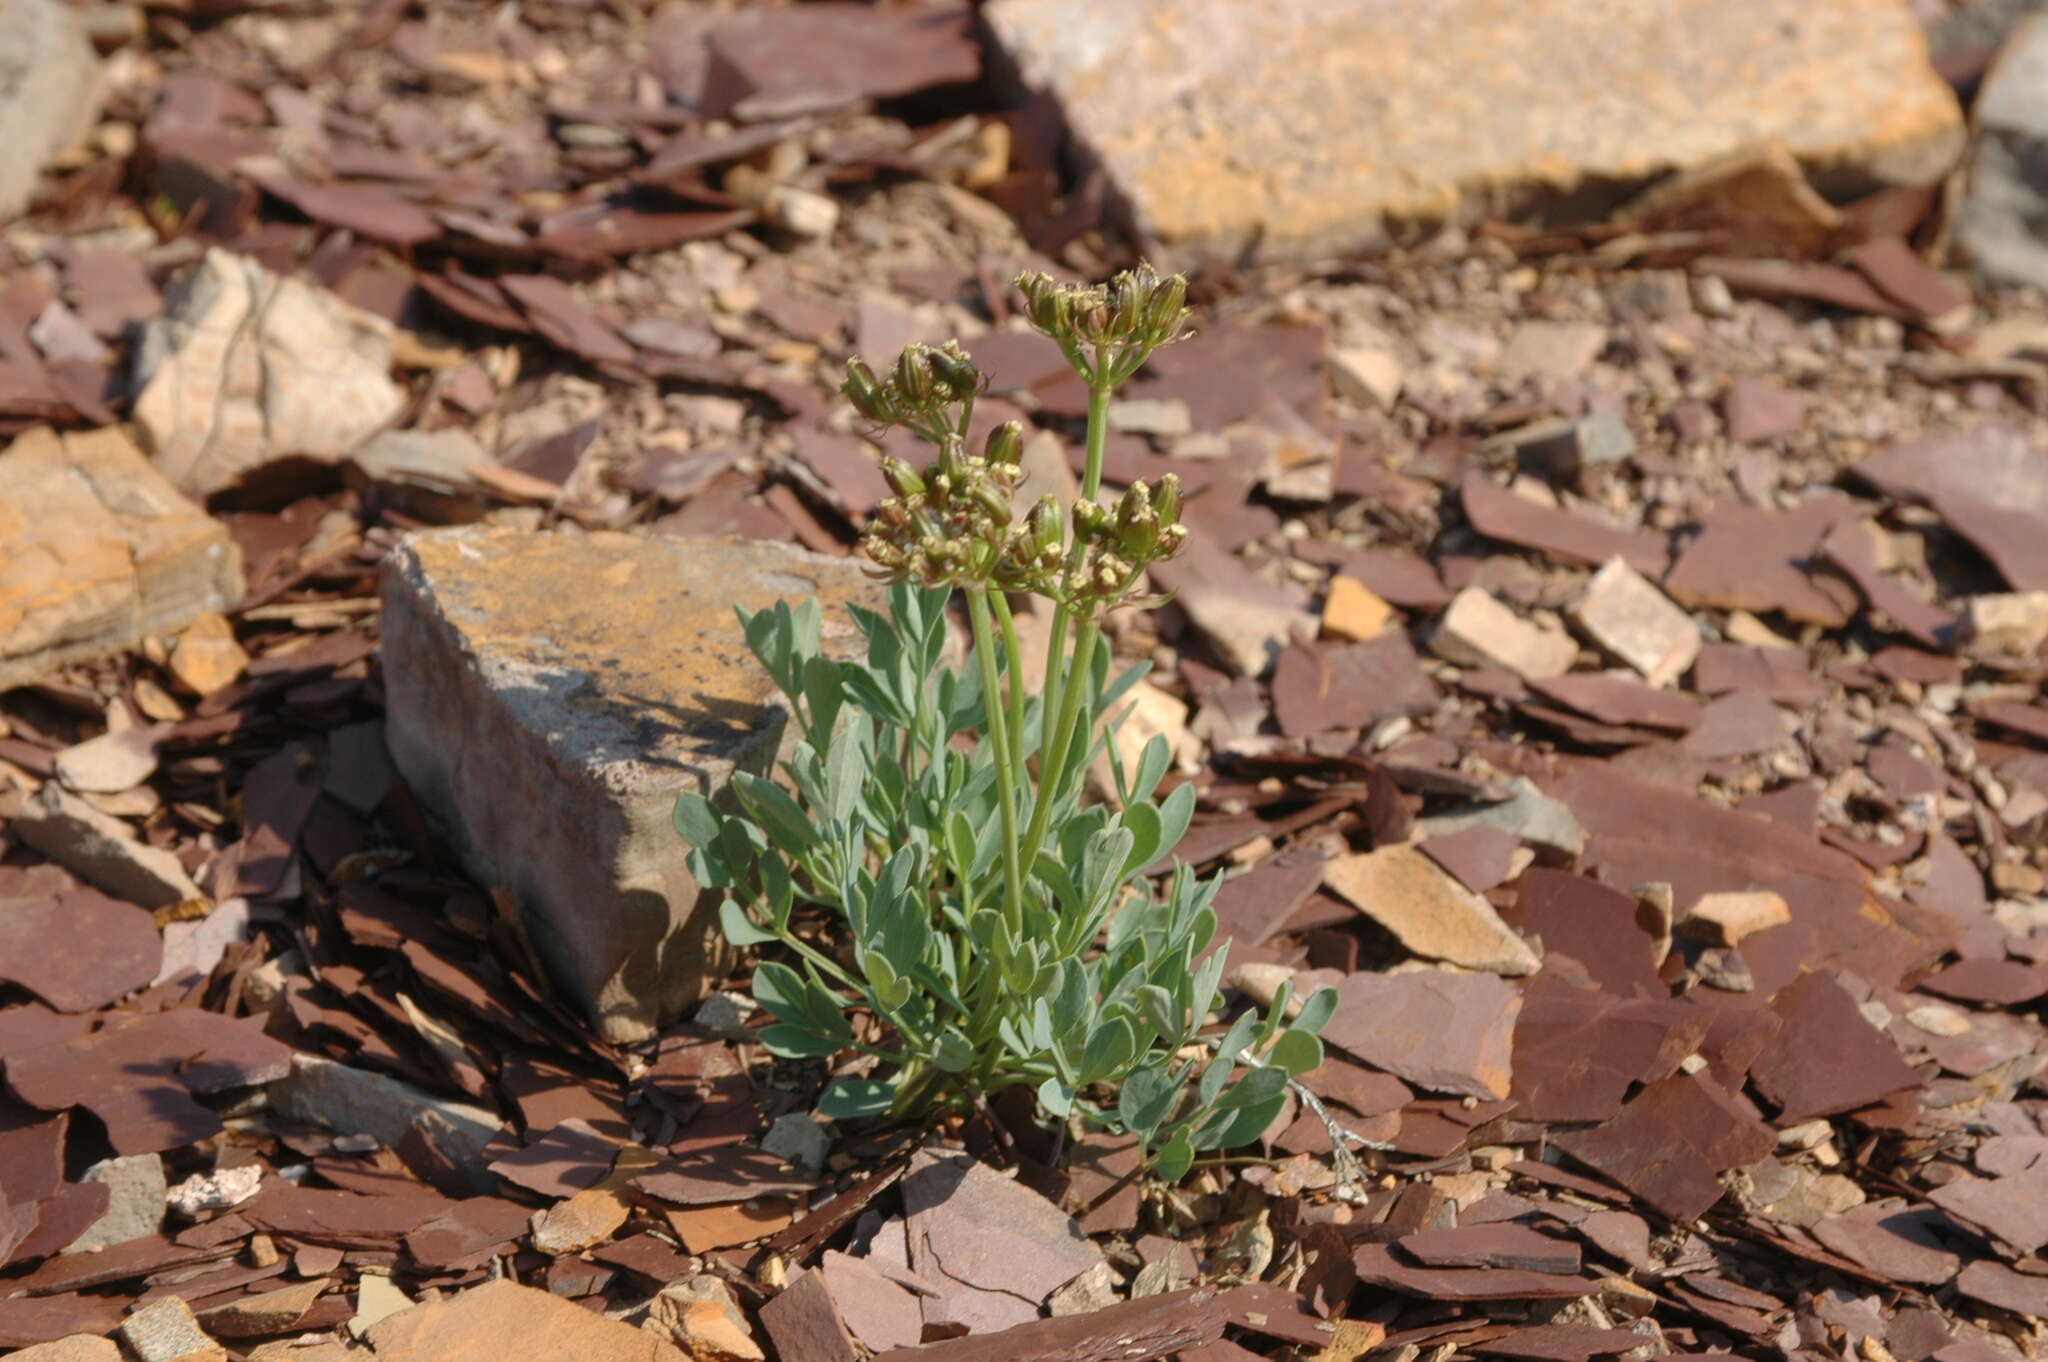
(933,870)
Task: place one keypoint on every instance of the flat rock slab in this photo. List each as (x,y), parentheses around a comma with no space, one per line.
(98,550)
(49,91)
(550,695)
(1319,127)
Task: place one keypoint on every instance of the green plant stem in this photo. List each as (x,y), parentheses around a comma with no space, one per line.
(1016,669)
(1051,691)
(1059,744)
(1005,754)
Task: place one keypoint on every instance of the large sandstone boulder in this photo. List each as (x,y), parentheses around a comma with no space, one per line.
(1302,128)
(49,92)
(549,695)
(97,551)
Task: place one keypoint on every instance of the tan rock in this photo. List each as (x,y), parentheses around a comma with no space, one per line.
(582,1221)
(119,759)
(49,92)
(1371,375)
(1627,617)
(266,1313)
(1761,186)
(2006,626)
(378,1298)
(1353,612)
(97,551)
(550,695)
(1427,911)
(1476,630)
(77,1348)
(101,849)
(244,367)
(1724,919)
(164,1331)
(1313,128)
(207,657)
(502,1320)
(701,1315)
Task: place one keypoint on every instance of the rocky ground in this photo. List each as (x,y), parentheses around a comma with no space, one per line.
(1610,654)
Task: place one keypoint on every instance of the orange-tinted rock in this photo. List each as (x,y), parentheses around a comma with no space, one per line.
(1317,127)
(503,1319)
(550,695)
(96,551)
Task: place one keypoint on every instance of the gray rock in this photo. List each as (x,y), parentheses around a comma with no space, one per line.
(355,1101)
(244,367)
(101,849)
(548,698)
(2002,226)
(135,1201)
(799,1139)
(165,1331)
(49,92)
(1310,128)
(432,456)
(1527,813)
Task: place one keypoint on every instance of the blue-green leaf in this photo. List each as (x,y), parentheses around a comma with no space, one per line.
(780,816)
(1175,1159)
(738,928)
(1316,1012)
(1296,1052)
(953,1052)
(1110,1047)
(696,820)
(793,1041)
(780,989)
(1147,1100)
(851,1097)
(1056,1097)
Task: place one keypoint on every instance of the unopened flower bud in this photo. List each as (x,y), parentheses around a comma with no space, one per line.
(1005,443)
(951,467)
(862,390)
(1091,519)
(1048,528)
(993,502)
(1166,499)
(1172,539)
(1168,305)
(901,477)
(956,374)
(914,378)
(1136,501)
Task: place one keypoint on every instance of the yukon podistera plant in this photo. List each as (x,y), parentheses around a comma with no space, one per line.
(998,928)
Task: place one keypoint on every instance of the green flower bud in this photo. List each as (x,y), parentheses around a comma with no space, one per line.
(1005,444)
(901,477)
(1047,527)
(993,502)
(957,376)
(1092,520)
(866,395)
(915,383)
(1172,539)
(1167,309)
(1166,499)
(1136,501)
(951,468)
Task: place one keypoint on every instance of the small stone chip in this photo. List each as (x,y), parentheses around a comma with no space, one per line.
(1476,630)
(1623,614)
(1724,919)
(1353,612)
(165,1331)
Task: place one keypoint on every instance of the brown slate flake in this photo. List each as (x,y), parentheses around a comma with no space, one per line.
(1133,1331)
(1898,1242)
(31,1153)
(1380,1265)
(1396,576)
(1479,857)
(2001,983)
(1257,904)
(995,1248)
(1613,698)
(137,1076)
(1738,725)
(1578,1050)
(731,1173)
(768,64)
(1559,1343)
(1832,1059)
(1671,1144)
(367,211)
(1562,535)
(124,1262)
(1777,674)
(1318,687)
(1591,922)
(879,1313)
(1852,547)
(78,950)
(557,315)
(1440,1030)
(1746,558)
(1755,410)
(567,1159)
(468,1231)
(25,1321)
(59,1221)
(2014,1208)
(1620,1234)
(1890,264)
(1829,284)
(1497,1245)
(1989,484)
(342,1219)
(803,1320)
(1995,1284)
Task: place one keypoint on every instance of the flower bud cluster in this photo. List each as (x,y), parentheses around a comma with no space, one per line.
(920,391)
(949,524)
(1117,543)
(1108,329)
